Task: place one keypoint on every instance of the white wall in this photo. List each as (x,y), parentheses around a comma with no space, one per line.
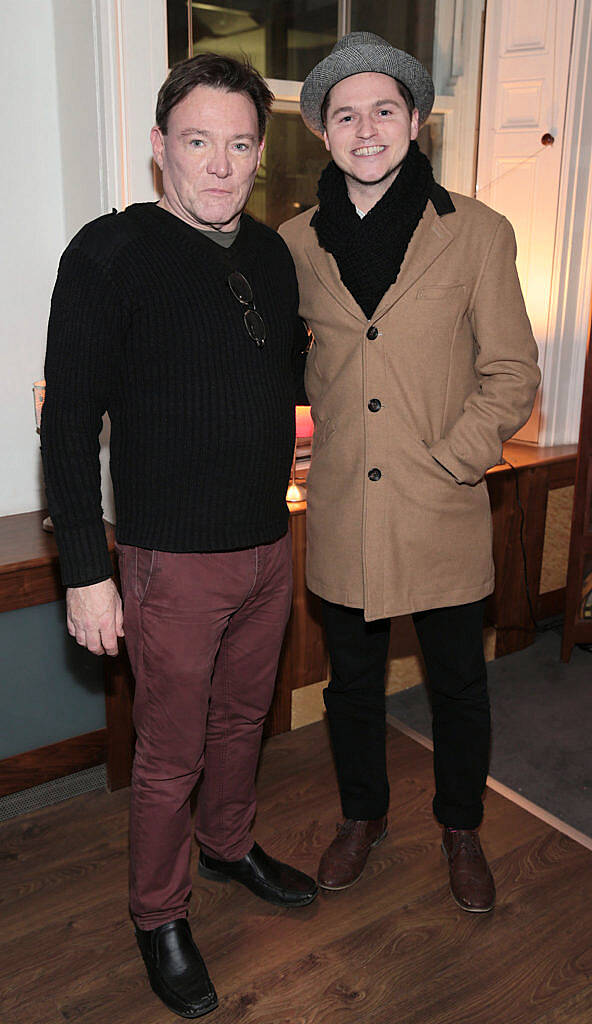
(78,81)
(77,100)
(33,235)
(50,182)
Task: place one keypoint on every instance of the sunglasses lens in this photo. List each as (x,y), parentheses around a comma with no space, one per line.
(255,326)
(240,287)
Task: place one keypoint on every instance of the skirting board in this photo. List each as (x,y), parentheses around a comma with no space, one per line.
(53,761)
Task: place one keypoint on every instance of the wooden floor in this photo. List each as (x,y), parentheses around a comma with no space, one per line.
(394,949)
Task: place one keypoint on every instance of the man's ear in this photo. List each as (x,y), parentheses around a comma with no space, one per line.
(326,140)
(260,151)
(415,123)
(157,140)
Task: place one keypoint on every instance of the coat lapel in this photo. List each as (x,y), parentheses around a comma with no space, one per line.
(325,268)
(430,239)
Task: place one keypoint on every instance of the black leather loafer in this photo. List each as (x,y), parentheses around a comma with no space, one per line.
(176,970)
(268,878)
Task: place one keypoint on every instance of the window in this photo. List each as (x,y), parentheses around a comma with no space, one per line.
(284,39)
(408,25)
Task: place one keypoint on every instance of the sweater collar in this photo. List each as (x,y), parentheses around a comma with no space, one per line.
(191,239)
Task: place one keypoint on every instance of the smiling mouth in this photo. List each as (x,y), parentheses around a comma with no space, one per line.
(368,150)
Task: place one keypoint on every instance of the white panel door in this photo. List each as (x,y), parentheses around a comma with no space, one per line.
(525,73)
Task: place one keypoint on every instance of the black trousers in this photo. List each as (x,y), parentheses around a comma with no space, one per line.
(451,641)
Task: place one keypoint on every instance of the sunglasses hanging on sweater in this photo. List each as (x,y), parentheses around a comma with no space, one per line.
(253,321)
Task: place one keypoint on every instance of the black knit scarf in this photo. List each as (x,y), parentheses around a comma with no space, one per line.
(369,251)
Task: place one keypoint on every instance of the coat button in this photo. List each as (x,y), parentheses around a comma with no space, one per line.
(372,333)
(374,474)
(374,404)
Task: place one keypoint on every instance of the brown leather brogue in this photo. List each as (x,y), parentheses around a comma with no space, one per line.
(471,881)
(344,860)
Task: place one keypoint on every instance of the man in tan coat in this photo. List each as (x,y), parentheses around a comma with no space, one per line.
(423,363)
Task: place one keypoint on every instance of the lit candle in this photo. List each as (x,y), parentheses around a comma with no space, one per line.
(304,423)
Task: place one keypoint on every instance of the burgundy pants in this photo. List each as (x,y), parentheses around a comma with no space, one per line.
(203,633)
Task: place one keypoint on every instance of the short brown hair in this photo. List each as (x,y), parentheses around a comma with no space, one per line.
(219,73)
(405,93)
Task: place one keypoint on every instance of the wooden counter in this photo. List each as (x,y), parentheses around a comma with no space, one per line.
(534,471)
(29,575)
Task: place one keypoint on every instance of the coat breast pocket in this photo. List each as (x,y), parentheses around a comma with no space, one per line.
(437,319)
(441,293)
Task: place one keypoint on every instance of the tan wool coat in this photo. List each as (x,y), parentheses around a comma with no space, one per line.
(450,357)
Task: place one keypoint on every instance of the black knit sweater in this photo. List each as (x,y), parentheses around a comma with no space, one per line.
(143,325)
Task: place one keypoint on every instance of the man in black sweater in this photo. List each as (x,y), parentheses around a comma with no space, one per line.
(181,320)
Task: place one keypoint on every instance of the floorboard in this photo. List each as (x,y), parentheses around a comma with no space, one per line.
(394,948)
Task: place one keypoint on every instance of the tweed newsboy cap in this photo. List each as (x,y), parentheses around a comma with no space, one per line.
(356,54)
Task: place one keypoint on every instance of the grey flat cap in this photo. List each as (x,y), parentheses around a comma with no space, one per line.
(355,54)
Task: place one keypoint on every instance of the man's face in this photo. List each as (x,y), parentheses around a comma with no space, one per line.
(209,157)
(368,132)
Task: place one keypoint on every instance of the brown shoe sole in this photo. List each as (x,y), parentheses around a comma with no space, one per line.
(463,906)
(339,888)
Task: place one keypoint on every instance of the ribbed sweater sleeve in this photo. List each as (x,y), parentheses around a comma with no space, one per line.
(143,325)
(85,324)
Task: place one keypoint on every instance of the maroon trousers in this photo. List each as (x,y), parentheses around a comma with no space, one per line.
(203,633)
